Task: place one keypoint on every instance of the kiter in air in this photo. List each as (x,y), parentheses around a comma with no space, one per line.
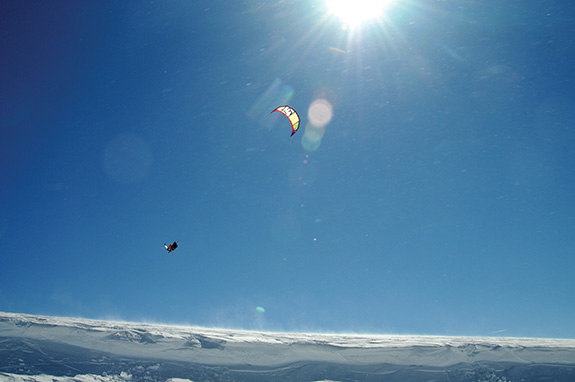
(171,247)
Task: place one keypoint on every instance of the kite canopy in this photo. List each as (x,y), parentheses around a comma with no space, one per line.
(289,112)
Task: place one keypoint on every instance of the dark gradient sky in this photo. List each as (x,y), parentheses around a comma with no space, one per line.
(439,200)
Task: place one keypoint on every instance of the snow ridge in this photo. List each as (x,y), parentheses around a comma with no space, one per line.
(41,348)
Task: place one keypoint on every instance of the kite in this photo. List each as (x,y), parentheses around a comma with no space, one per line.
(289,112)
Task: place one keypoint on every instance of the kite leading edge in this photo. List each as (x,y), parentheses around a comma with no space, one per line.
(289,112)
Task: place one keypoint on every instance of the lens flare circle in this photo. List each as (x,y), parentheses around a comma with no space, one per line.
(311,141)
(320,112)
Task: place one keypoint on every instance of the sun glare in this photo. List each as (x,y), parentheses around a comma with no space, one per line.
(355,12)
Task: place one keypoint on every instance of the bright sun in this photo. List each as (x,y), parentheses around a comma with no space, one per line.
(355,12)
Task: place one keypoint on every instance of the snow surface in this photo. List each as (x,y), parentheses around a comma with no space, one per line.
(40,348)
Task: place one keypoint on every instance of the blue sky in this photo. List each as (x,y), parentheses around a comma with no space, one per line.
(439,199)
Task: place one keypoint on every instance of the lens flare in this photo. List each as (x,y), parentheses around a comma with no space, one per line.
(320,112)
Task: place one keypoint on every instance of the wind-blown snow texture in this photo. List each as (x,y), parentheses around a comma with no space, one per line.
(39,348)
